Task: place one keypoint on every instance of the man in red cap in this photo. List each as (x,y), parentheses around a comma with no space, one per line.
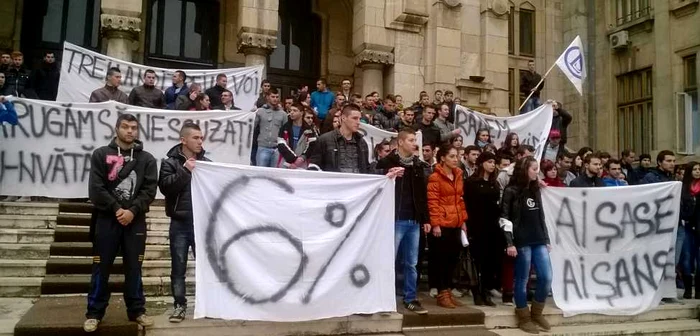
(553,146)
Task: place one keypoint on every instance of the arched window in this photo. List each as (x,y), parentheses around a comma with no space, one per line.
(47,23)
(182,33)
(296,60)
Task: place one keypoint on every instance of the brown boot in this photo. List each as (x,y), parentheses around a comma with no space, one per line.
(454,300)
(537,317)
(525,322)
(444,300)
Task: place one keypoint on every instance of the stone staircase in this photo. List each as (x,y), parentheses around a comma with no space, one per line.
(45,250)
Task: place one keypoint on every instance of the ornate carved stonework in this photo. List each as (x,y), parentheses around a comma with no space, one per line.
(498,7)
(263,42)
(374,56)
(120,23)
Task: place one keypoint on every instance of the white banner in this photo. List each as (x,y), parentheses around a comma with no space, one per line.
(83,71)
(613,249)
(276,245)
(374,136)
(48,152)
(532,128)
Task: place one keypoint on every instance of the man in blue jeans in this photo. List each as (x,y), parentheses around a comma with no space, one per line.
(174,183)
(268,121)
(411,212)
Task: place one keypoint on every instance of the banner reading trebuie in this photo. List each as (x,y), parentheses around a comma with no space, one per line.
(613,249)
(83,71)
(48,152)
(532,128)
(278,245)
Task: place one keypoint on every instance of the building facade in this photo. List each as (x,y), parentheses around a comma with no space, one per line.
(476,48)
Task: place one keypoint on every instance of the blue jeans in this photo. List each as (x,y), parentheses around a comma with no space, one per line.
(181,239)
(539,256)
(406,236)
(688,257)
(266,157)
(531,104)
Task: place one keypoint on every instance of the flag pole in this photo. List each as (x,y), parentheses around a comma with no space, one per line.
(538,84)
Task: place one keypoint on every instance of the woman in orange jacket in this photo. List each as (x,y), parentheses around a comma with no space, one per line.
(447,218)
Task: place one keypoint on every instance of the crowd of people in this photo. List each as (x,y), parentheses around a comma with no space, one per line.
(473,211)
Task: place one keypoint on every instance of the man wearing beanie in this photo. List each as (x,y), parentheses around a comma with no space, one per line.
(553,146)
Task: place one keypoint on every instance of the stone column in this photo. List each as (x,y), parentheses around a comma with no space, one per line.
(372,62)
(120,25)
(256,48)
(257,30)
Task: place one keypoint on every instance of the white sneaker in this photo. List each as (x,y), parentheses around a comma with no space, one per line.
(90,325)
(433,292)
(495,293)
(456,293)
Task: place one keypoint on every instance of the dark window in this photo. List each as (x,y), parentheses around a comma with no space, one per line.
(511,31)
(47,23)
(635,118)
(527,32)
(630,10)
(182,33)
(295,61)
(511,90)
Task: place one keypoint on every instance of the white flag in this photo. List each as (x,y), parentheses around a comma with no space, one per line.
(571,62)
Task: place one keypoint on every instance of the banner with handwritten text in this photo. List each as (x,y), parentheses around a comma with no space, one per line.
(48,152)
(613,248)
(83,71)
(279,245)
(374,136)
(532,128)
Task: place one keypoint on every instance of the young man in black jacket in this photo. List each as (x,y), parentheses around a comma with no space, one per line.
(591,173)
(123,182)
(174,183)
(411,211)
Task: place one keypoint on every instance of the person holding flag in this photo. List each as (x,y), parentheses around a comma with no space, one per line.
(572,64)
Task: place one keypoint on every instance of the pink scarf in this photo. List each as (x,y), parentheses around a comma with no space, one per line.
(695,188)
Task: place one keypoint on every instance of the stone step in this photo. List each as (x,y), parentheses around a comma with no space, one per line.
(20,286)
(27,221)
(654,328)
(24,251)
(82,234)
(22,268)
(504,317)
(29,208)
(83,265)
(153,252)
(86,208)
(26,236)
(349,325)
(80,284)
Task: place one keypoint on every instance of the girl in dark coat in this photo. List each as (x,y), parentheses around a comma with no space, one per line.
(486,240)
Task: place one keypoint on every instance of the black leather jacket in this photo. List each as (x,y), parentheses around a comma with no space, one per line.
(174,182)
(419,183)
(326,154)
(511,208)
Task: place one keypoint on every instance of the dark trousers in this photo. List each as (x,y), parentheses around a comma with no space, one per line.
(109,237)
(181,239)
(487,261)
(508,275)
(444,254)
(421,256)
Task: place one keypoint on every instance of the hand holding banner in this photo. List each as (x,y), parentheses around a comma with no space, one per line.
(290,250)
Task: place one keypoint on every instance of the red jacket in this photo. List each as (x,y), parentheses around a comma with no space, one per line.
(445,202)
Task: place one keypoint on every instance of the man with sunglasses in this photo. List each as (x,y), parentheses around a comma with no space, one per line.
(554,146)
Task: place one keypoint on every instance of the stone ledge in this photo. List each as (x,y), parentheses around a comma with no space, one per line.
(120,23)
